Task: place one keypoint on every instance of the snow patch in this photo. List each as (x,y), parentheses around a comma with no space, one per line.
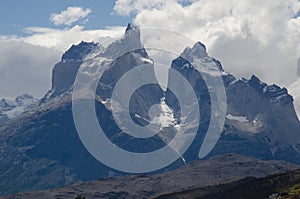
(13,108)
(237,118)
(143,59)
(166,116)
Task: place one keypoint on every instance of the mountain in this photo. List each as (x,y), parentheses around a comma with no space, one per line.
(11,108)
(42,149)
(194,176)
(64,72)
(260,119)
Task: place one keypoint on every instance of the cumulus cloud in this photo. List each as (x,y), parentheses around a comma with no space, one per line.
(69,16)
(260,37)
(125,7)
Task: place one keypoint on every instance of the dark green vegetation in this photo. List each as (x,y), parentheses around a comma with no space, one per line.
(292,192)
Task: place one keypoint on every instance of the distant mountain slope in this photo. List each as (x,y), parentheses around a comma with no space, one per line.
(201,173)
(12,108)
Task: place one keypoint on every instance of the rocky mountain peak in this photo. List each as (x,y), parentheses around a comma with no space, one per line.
(4,103)
(65,71)
(255,82)
(198,57)
(10,108)
(79,52)
(198,51)
(272,92)
(23,99)
(130,42)
(132,39)
(131,26)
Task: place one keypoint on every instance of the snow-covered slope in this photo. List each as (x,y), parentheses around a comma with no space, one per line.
(11,108)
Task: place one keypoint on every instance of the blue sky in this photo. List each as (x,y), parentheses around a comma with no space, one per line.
(18,15)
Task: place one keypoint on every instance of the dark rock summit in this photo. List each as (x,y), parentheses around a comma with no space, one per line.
(271,92)
(64,72)
(79,52)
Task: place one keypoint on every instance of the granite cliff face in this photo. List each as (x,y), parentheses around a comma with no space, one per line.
(64,72)
(260,119)
(42,148)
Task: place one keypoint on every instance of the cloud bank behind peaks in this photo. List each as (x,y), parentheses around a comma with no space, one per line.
(25,68)
(260,37)
(69,16)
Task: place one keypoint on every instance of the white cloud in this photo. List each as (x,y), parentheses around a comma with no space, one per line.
(260,37)
(25,68)
(125,7)
(69,16)
(26,62)
(63,39)
(247,36)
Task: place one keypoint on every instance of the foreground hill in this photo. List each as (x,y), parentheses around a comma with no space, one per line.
(183,181)
(278,186)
